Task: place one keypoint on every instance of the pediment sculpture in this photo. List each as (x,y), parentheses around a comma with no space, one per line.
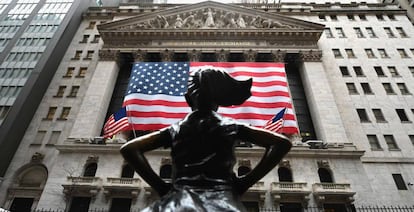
(209,18)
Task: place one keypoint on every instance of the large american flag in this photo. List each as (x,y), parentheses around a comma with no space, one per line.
(155,94)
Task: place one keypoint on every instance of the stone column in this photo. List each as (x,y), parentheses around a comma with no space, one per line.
(139,55)
(91,116)
(167,55)
(321,101)
(222,55)
(250,56)
(194,55)
(279,56)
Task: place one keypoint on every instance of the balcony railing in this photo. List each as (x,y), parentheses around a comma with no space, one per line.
(84,180)
(288,186)
(135,182)
(332,188)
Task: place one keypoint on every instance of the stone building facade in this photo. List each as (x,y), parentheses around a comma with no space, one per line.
(349,68)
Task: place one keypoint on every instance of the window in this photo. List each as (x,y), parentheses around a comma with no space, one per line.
(358,71)
(80,204)
(383,53)
(366,88)
(166,171)
(388,88)
(340,32)
(390,141)
(89,55)
(96,39)
(74,91)
(90,170)
(363,116)
(411,68)
(344,71)
(54,138)
(379,71)
(325,175)
(401,32)
(82,72)
(403,89)
(243,170)
(370,53)
(69,72)
(65,113)
(379,117)
(399,182)
(362,17)
(389,32)
(411,139)
(402,115)
(322,18)
(61,91)
(333,17)
(350,53)
(285,175)
(393,71)
(21,204)
(4,110)
(403,53)
(120,204)
(85,39)
(127,171)
(380,17)
(351,88)
(351,17)
(373,142)
(77,55)
(51,113)
(328,33)
(91,25)
(337,53)
(391,17)
(40,135)
(358,32)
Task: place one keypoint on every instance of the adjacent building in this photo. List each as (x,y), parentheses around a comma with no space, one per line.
(349,66)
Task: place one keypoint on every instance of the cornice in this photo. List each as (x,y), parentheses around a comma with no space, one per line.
(347,152)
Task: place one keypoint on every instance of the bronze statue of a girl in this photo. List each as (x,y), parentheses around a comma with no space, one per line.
(202,149)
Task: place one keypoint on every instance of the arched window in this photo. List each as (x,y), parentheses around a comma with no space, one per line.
(90,170)
(285,175)
(127,171)
(243,170)
(165,171)
(325,175)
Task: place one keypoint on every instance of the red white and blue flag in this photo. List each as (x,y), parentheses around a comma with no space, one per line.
(155,94)
(276,123)
(116,122)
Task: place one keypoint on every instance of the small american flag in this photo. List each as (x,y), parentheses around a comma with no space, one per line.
(116,122)
(155,94)
(276,123)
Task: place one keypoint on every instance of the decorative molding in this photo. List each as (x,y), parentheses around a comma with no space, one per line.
(37,157)
(108,55)
(323,164)
(166,161)
(284,163)
(311,56)
(245,162)
(92,159)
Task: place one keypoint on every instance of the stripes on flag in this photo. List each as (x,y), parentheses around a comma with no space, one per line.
(155,94)
(276,123)
(116,122)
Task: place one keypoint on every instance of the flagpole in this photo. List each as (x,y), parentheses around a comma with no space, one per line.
(129,121)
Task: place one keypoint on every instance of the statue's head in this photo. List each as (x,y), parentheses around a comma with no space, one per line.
(209,88)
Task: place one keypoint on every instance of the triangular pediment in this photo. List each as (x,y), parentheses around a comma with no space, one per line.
(209,15)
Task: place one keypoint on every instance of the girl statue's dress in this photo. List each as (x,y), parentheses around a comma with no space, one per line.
(202,149)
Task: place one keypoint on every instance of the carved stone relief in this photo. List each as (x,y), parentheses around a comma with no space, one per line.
(209,18)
